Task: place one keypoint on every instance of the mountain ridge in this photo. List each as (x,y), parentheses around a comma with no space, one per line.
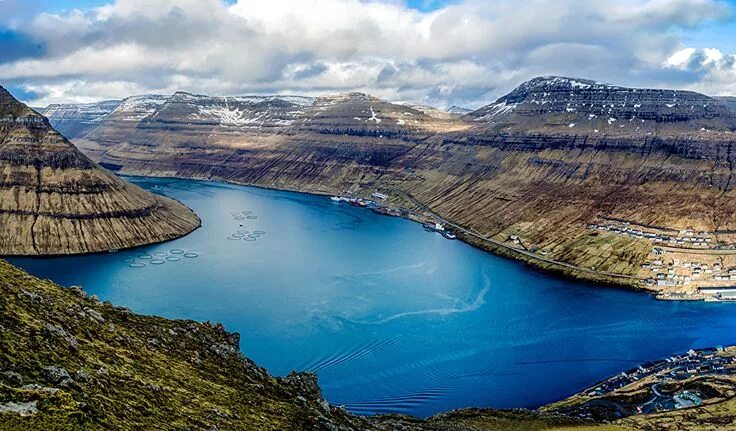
(55,200)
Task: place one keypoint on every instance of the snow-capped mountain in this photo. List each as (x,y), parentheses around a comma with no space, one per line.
(76,119)
(459,110)
(243,111)
(584,105)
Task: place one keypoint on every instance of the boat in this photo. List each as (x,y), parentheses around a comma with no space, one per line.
(449,235)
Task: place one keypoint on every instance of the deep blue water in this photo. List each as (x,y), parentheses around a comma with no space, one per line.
(392,318)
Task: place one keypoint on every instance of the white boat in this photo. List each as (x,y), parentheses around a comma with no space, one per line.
(380,196)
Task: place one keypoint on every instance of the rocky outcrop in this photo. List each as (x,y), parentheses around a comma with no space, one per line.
(55,200)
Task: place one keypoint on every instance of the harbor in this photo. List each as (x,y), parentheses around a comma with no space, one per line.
(431,225)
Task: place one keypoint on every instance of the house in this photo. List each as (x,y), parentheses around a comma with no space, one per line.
(380,196)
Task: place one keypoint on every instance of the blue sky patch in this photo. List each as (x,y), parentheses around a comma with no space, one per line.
(16,45)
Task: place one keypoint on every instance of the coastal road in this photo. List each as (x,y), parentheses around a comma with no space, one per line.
(535,256)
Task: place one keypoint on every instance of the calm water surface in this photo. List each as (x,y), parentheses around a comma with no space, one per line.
(391,318)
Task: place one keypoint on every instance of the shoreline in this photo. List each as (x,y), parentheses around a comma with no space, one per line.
(533,261)
(92,253)
(466,240)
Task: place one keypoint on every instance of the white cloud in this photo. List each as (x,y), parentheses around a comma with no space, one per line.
(465,53)
(712,71)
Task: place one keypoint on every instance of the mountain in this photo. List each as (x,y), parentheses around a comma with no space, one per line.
(728,100)
(71,362)
(555,103)
(74,120)
(459,110)
(527,176)
(55,200)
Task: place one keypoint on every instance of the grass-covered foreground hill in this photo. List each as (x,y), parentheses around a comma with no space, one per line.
(69,362)
(72,363)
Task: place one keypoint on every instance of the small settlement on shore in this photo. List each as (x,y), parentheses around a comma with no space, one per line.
(683,264)
(379,207)
(692,379)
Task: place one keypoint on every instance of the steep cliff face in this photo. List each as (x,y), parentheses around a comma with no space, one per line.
(54,200)
(541,163)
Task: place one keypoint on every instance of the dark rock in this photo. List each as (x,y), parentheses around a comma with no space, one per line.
(305,384)
(81,376)
(11,378)
(56,375)
(234,339)
(78,291)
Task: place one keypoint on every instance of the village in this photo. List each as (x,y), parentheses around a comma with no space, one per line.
(683,264)
(696,378)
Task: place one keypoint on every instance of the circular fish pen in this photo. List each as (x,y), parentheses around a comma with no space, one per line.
(173,259)
(157,262)
(145,257)
(191,255)
(160,254)
(137,265)
(177,251)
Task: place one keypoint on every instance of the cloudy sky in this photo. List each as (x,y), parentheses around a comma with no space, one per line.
(438,52)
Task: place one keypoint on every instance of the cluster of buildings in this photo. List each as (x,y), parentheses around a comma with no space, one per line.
(684,238)
(707,280)
(605,400)
(677,272)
